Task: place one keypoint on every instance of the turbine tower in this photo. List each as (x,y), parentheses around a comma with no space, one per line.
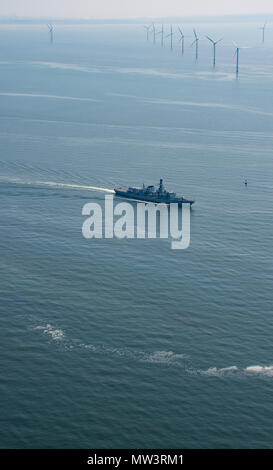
(237,56)
(182,39)
(263,31)
(237,60)
(51,31)
(161,32)
(162,35)
(214,48)
(154,32)
(196,42)
(171,36)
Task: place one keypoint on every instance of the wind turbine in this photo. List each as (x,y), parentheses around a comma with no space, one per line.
(51,31)
(162,35)
(161,32)
(182,39)
(237,59)
(147,31)
(263,31)
(196,42)
(214,48)
(237,56)
(154,33)
(171,35)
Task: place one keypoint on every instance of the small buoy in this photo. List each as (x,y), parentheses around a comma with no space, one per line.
(245,182)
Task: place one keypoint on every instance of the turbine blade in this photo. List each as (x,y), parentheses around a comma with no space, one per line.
(195,34)
(181,32)
(219,40)
(211,40)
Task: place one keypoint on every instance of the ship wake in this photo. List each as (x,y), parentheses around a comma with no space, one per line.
(53,184)
(166,358)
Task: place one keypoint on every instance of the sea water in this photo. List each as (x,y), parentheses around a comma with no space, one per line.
(109,343)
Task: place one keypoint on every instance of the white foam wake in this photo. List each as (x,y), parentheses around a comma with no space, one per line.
(53,184)
(266,371)
(56,334)
(162,357)
(156,357)
(260,370)
(214,371)
(74,186)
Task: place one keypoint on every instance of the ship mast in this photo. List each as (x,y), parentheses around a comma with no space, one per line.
(161,187)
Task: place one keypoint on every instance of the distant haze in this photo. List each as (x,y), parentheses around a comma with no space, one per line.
(131,8)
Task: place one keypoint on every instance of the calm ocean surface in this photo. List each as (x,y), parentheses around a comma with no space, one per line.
(129,344)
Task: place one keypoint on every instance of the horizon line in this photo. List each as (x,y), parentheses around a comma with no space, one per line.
(136,18)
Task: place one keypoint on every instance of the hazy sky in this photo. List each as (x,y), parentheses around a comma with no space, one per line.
(131,8)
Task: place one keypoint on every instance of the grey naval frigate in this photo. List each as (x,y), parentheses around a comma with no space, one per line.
(150,194)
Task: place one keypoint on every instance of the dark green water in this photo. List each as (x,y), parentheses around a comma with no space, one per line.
(127,343)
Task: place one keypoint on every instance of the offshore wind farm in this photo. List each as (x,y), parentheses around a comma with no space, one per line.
(196,40)
(127,343)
